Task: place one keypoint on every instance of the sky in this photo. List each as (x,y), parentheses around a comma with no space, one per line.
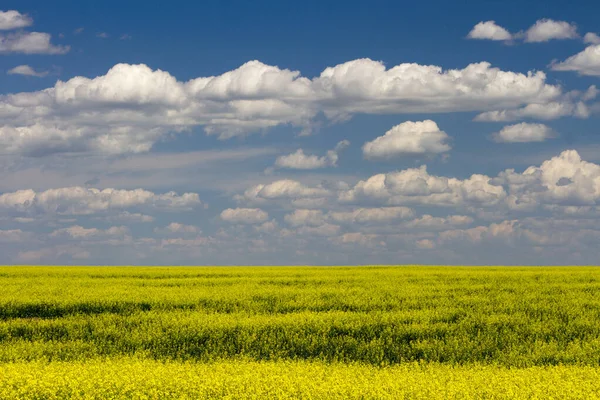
(304,133)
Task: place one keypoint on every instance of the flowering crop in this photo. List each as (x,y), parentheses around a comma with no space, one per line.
(299,332)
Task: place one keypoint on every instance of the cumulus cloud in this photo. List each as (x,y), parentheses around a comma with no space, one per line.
(372,215)
(27,71)
(547,29)
(542,111)
(126,216)
(56,253)
(282,189)
(30,43)
(586,62)
(591,38)
(490,31)
(132,106)
(524,132)
(177,228)
(304,217)
(12,19)
(408,138)
(417,186)
(299,160)
(244,215)
(79,232)
(13,236)
(86,201)
(565,180)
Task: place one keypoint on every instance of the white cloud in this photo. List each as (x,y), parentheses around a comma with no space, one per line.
(366,86)
(417,186)
(591,38)
(563,180)
(132,106)
(102,35)
(12,19)
(303,217)
(86,201)
(79,232)
(372,215)
(425,244)
(325,229)
(358,238)
(299,160)
(177,228)
(547,29)
(281,189)
(524,132)
(126,216)
(543,111)
(13,236)
(408,138)
(489,30)
(27,71)
(586,62)
(30,43)
(53,254)
(244,215)
(591,93)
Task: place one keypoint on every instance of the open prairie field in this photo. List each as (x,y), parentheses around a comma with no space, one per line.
(300,332)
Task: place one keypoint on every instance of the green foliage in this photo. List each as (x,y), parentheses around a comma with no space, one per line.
(377,315)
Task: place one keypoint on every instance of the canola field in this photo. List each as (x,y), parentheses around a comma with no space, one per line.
(405,332)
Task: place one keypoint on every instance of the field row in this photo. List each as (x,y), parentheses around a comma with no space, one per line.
(130,378)
(516,317)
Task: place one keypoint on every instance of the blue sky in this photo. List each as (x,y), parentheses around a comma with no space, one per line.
(299,133)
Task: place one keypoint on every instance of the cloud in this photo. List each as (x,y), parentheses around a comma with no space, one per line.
(244,215)
(586,62)
(572,103)
(53,254)
(321,230)
(132,107)
(126,216)
(305,217)
(78,31)
(13,20)
(417,186)
(408,138)
(102,35)
(372,215)
(547,111)
(565,180)
(366,86)
(27,71)
(591,38)
(29,43)
(281,189)
(547,29)
(299,160)
(87,201)
(79,232)
(13,236)
(524,132)
(490,31)
(177,228)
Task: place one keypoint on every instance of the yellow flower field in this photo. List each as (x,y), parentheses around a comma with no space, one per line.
(144,379)
(300,332)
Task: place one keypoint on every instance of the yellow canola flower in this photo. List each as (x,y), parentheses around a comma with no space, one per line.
(128,378)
